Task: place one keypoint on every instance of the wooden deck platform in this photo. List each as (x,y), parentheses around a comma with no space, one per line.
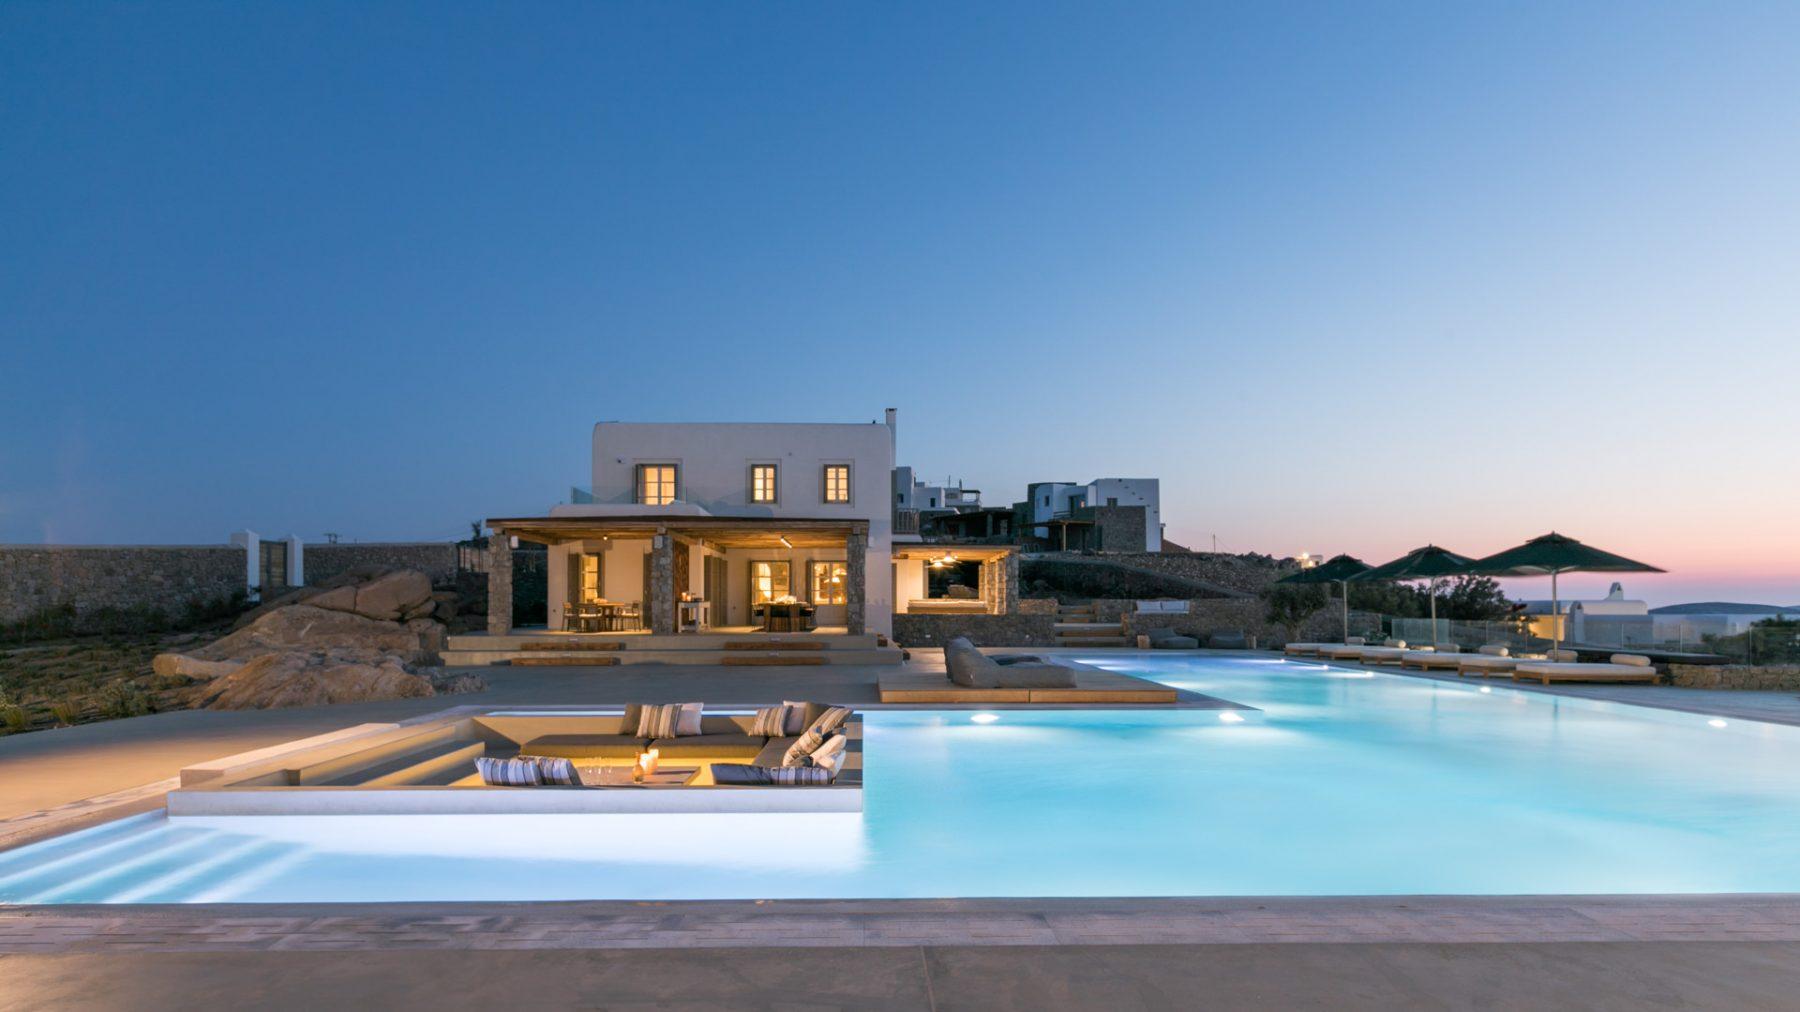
(1091,686)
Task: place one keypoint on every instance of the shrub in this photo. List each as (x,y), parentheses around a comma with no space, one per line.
(14,717)
(122,699)
(65,711)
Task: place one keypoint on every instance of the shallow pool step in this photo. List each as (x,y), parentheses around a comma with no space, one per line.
(409,767)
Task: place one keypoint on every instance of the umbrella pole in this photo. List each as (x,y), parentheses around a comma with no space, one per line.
(1555,615)
(1432,590)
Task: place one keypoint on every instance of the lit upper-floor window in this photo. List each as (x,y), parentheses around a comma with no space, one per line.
(837,483)
(762,483)
(656,484)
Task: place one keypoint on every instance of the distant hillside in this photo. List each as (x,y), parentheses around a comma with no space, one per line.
(1723,608)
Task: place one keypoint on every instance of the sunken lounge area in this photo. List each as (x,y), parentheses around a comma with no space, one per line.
(554,760)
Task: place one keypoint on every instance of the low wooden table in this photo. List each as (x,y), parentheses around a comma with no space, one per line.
(620,776)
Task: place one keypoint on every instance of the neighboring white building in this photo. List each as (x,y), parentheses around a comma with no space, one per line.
(912,494)
(1611,620)
(1054,500)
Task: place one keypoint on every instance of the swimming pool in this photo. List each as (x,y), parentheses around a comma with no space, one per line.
(1352,784)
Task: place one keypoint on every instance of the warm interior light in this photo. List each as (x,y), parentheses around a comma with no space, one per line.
(785,543)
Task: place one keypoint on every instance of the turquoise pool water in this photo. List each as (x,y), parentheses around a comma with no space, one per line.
(1351,784)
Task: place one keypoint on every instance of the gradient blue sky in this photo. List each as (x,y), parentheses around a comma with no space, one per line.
(1347,277)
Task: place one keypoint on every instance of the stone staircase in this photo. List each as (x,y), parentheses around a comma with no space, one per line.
(726,649)
(1076,626)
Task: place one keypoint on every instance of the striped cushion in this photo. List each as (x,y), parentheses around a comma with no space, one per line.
(671,720)
(831,754)
(554,771)
(772,721)
(790,776)
(739,774)
(508,772)
(823,728)
(831,719)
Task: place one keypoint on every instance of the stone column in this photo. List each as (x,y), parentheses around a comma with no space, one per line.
(661,605)
(990,586)
(1009,584)
(856,567)
(499,584)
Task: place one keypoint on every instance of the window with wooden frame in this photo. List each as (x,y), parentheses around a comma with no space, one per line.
(829,580)
(762,483)
(656,484)
(837,483)
(585,578)
(770,581)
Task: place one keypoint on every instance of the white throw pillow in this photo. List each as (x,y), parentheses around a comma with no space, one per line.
(831,754)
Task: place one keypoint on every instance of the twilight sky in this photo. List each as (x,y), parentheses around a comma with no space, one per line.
(1346,277)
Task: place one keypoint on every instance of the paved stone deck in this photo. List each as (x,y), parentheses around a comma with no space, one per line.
(1601,976)
(883,923)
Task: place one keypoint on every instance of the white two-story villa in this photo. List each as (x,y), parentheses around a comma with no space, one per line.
(735,528)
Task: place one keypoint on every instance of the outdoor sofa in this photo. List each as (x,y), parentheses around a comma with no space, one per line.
(1317,649)
(1169,639)
(728,743)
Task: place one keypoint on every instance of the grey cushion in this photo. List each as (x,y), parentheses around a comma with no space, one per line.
(1005,659)
(1169,639)
(746,745)
(774,751)
(576,746)
(740,775)
(1227,641)
(967,666)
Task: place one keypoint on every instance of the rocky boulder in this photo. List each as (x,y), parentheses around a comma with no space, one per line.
(357,637)
(313,678)
(304,627)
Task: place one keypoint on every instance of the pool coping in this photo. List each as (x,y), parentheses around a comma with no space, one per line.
(881,923)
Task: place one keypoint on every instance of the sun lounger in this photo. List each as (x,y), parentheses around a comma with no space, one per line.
(1623,668)
(1318,649)
(1445,658)
(970,668)
(1383,655)
(1169,639)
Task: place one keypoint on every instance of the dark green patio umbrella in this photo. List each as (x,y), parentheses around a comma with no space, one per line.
(1428,563)
(1340,569)
(1552,555)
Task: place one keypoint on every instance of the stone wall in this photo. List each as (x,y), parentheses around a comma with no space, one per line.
(1248,573)
(1120,529)
(436,559)
(1020,629)
(93,578)
(1206,616)
(1768,677)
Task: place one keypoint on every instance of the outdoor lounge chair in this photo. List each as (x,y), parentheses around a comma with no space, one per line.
(1350,649)
(1358,652)
(1235,640)
(1383,654)
(1169,639)
(1623,668)
(1447,657)
(1303,649)
(972,669)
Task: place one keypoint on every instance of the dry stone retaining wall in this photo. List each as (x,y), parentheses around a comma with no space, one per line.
(92,578)
(436,559)
(1768,677)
